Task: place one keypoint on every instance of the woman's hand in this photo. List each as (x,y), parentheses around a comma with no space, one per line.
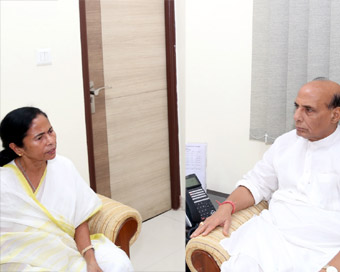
(93,267)
(222,217)
(91,263)
(82,239)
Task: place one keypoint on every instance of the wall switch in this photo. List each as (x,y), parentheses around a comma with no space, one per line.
(44,56)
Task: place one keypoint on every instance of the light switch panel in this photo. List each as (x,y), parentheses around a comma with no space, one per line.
(44,56)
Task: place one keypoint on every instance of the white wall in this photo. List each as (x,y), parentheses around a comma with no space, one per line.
(217,61)
(57,89)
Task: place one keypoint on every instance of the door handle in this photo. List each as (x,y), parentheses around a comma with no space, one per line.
(94,92)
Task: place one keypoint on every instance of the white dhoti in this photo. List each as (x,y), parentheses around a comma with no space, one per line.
(240,263)
(285,238)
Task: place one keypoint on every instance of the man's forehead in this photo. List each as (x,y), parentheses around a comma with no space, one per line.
(304,102)
(315,92)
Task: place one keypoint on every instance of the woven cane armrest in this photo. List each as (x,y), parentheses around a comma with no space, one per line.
(211,243)
(111,217)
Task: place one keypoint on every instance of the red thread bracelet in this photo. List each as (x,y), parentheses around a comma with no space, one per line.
(227,202)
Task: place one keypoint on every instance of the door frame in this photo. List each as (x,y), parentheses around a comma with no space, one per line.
(86,88)
(169,11)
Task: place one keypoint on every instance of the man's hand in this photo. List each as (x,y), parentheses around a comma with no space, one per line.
(222,217)
(242,199)
(334,262)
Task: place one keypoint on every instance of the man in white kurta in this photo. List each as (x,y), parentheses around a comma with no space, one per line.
(302,224)
(300,178)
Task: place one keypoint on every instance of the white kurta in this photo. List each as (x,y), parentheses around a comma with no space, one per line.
(37,229)
(300,231)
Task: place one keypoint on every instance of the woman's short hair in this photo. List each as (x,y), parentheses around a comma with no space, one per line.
(13,129)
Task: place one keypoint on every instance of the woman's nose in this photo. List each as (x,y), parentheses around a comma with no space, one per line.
(50,139)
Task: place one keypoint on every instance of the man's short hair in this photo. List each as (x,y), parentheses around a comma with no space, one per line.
(320,78)
(335,102)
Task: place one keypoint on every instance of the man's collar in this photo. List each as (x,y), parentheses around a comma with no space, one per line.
(329,140)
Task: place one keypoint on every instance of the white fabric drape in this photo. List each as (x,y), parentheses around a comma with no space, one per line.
(37,229)
(293,42)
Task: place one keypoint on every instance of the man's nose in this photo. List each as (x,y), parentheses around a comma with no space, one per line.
(297,115)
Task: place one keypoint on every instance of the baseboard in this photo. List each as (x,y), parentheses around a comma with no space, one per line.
(182,203)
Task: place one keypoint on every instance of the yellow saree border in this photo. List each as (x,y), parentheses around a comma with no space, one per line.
(23,180)
(93,213)
(70,230)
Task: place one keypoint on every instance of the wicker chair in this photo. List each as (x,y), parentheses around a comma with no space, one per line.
(204,253)
(118,222)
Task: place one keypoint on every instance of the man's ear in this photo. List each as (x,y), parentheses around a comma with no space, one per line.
(18,150)
(336,115)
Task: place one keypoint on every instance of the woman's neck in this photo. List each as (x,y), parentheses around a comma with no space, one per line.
(32,170)
(32,165)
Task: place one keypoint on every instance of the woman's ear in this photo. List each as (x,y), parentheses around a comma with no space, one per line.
(18,150)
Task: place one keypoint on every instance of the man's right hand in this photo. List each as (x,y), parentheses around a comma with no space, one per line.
(242,199)
(222,217)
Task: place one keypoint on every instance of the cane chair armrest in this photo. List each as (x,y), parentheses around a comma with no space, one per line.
(118,222)
(204,253)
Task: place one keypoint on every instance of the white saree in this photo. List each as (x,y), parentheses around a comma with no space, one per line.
(37,229)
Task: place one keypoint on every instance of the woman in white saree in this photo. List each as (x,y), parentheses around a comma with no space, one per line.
(45,204)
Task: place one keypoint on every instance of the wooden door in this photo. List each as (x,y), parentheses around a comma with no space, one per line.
(133,35)
(135,109)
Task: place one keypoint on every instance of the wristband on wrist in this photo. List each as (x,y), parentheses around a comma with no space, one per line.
(86,249)
(330,268)
(227,202)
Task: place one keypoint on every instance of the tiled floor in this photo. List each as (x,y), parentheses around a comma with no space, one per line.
(161,244)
